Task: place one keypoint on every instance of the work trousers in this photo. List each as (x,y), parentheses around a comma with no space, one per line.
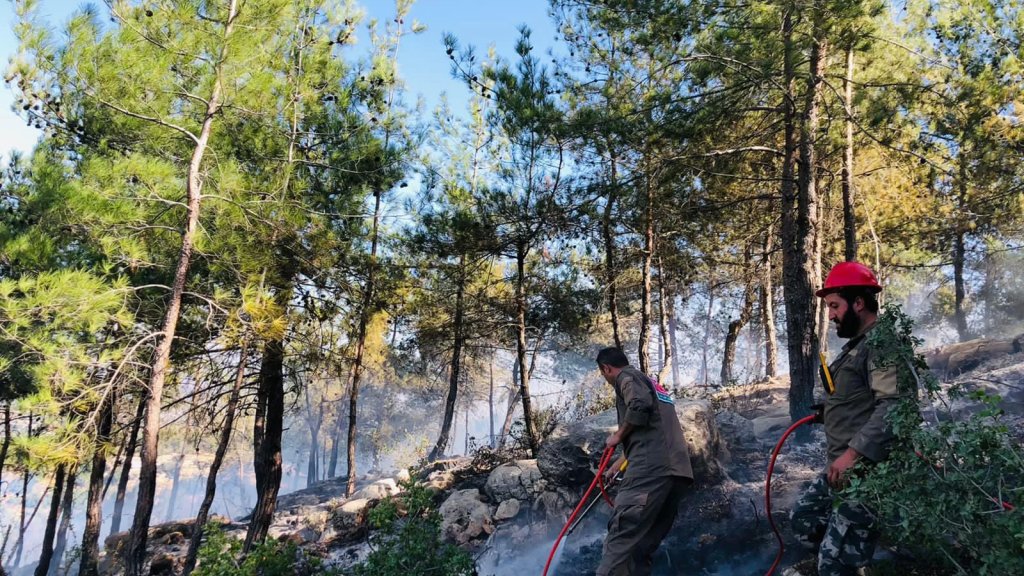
(844,535)
(645,509)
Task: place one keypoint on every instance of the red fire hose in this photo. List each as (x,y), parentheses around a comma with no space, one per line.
(768,488)
(605,459)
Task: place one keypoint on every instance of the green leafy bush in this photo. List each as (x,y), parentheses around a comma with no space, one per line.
(407,539)
(951,491)
(221,555)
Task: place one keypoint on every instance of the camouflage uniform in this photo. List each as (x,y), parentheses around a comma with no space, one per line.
(655,481)
(855,412)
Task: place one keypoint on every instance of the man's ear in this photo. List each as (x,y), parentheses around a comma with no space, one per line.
(858,304)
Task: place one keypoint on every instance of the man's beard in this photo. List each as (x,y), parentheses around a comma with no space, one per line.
(849,325)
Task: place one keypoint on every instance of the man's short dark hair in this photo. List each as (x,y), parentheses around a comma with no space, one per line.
(867,294)
(612,356)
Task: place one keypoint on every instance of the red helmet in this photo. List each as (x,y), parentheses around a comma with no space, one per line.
(849,275)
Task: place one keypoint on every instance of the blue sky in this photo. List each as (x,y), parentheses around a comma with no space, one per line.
(422,60)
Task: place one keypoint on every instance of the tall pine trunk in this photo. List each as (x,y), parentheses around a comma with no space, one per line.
(267,463)
(66,507)
(135,560)
(46,549)
(673,340)
(645,285)
(218,459)
(454,369)
(524,375)
(960,255)
(800,220)
(611,274)
(490,403)
(667,359)
(736,326)
(771,344)
(357,365)
(849,217)
(89,563)
(126,466)
(172,500)
(7,439)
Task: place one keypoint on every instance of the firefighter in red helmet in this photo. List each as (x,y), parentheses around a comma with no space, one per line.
(859,397)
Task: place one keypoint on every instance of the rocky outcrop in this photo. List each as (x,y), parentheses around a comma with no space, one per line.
(572,453)
(465,516)
(519,480)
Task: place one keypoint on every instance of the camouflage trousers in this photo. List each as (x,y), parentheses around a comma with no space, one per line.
(844,535)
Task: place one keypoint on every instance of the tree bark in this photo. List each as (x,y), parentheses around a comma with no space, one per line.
(454,370)
(22,527)
(960,312)
(46,550)
(218,459)
(799,222)
(673,340)
(513,401)
(135,559)
(67,502)
(267,464)
(645,285)
(733,334)
(126,466)
(172,501)
(611,273)
(849,217)
(7,439)
(667,360)
(524,375)
(490,403)
(89,564)
(771,344)
(357,365)
(313,469)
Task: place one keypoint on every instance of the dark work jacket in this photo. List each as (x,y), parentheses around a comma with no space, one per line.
(864,393)
(656,447)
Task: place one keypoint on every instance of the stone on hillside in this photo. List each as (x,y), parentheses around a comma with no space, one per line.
(768,429)
(963,356)
(507,510)
(379,490)
(403,476)
(738,430)
(465,516)
(521,480)
(571,454)
(349,519)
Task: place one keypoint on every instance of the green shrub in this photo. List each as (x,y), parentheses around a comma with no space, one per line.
(951,491)
(221,555)
(407,539)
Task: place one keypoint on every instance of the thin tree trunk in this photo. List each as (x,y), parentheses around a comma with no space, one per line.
(733,334)
(707,335)
(332,468)
(218,459)
(268,460)
(126,466)
(524,375)
(960,313)
(67,502)
(849,217)
(357,365)
(667,360)
(135,559)
(490,403)
(22,527)
(454,369)
(172,501)
(467,431)
(673,341)
(771,345)
(89,564)
(513,401)
(645,284)
(46,550)
(7,440)
(611,273)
